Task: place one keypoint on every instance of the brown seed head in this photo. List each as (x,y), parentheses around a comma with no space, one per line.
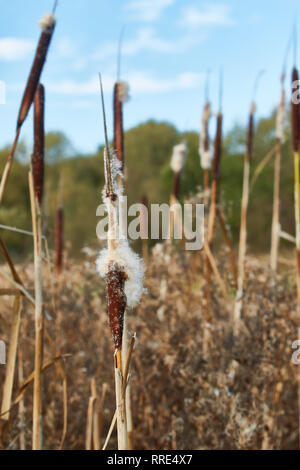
(115,281)
(36,70)
(39,143)
(295,110)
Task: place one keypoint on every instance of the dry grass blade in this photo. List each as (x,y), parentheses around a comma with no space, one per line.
(11,357)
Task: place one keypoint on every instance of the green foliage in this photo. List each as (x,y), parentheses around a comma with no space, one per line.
(148,149)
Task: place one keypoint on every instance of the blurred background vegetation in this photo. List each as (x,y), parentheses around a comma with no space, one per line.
(148,148)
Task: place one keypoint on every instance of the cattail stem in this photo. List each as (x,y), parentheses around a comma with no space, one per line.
(295,106)
(120,403)
(39,320)
(243,224)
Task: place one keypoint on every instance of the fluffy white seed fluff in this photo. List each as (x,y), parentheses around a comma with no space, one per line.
(132,265)
(178,157)
(206,156)
(123,89)
(47,21)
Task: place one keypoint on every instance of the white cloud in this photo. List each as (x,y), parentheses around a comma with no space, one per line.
(139,82)
(147,40)
(148,10)
(12,49)
(216,14)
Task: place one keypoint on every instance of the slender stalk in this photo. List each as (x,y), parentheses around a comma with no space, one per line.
(11,357)
(39,321)
(243,224)
(295,106)
(21,410)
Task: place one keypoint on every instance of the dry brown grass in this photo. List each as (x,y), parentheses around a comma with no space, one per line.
(244,395)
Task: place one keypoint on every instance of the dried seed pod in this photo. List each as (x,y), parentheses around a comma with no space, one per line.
(295,110)
(47,25)
(39,143)
(115,281)
(58,240)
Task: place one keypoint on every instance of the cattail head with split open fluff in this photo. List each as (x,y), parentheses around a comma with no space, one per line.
(122,269)
(178,157)
(250,132)
(177,164)
(121,95)
(205,151)
(39,143)
(47,24)
(295,110)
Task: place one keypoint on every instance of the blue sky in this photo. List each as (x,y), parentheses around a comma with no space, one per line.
(168,47)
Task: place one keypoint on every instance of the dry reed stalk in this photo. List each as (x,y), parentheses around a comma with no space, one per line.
(39,320)
(243,224)
(295,118)
(36,179)
(58,240)
(11,357)
(14,336)
(275,237)
(260,167)
(47,25)
(21,410)
(215,179)
(125,385)
(228,242)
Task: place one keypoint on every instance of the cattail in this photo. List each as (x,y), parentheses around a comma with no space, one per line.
(205,152)
(121,95)
(39,143)
(123,271)
(47,24)
(177,164)
(295,110)
(215,181)
(58,240)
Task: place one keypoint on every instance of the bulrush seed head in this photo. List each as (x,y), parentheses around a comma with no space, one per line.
(295,110)
(39,143)
(47,24)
